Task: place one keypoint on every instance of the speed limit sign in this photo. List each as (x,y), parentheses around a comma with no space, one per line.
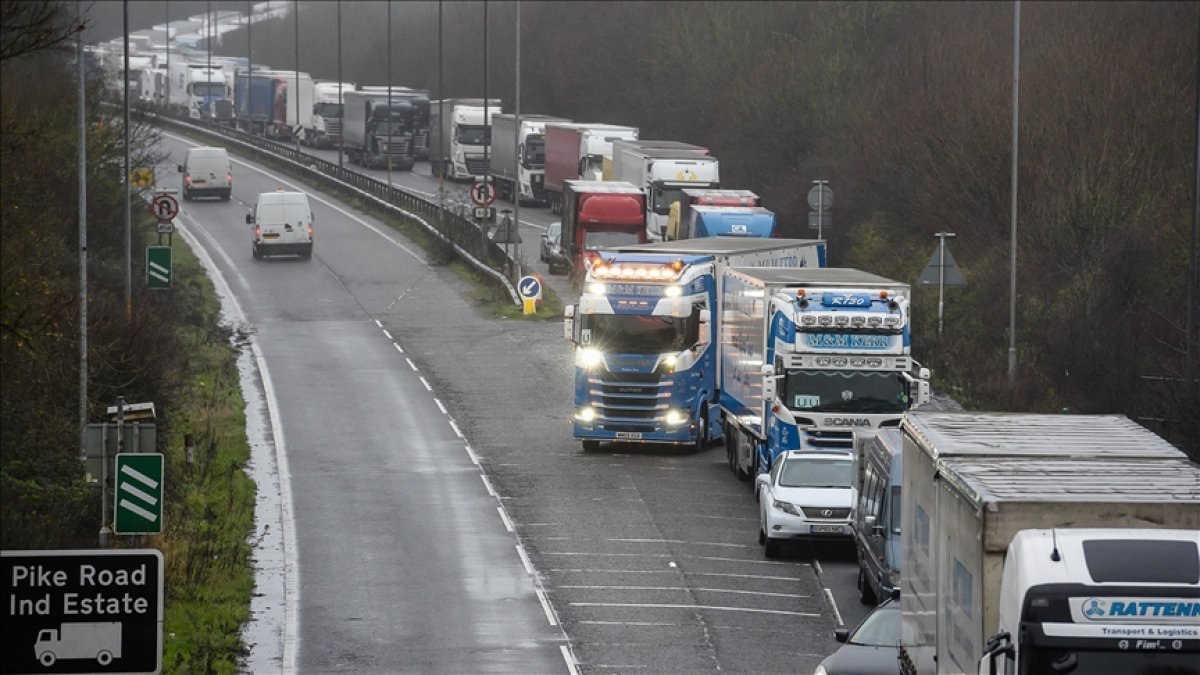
(164,208)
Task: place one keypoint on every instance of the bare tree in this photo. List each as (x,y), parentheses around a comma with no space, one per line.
(34,25)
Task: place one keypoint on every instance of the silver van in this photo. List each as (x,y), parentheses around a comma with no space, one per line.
(877,515)
(283,225)
(207,172)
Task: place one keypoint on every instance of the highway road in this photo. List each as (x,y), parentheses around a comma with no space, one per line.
(445,519)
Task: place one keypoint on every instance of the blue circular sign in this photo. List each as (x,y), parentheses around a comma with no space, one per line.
(530,287)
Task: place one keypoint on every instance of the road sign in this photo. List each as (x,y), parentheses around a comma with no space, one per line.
(82,611)
(819,219)
(166,227)
(483,193)
(530,287)
(139,491)
(485,213)
(820,198)
(930,275)
(164,207)
(142,178)
(158,267)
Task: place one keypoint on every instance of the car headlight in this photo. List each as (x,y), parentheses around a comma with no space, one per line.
(589,358)
(785,507)
(675,418)
(585,414)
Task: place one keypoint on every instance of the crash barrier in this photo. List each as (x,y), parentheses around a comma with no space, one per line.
(452,225)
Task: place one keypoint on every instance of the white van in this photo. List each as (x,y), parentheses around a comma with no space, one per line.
(207,172)
(283,224)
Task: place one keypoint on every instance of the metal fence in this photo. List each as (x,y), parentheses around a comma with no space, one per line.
(452,225)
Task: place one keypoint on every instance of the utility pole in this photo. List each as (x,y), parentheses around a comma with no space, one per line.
(941,275)
(1191,397)
(167,16)
(296,87)
(249,66)
(441,177)
(517,153)
(341,103)
(389,93)
(128,195)
(83,286)
(208,73)
(1012,282)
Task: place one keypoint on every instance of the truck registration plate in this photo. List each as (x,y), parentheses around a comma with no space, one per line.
(629,434)
(826,529)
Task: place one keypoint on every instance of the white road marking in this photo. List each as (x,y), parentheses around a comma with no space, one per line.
(719,608)
(487,484)
(566,652)
(742,560)
(397,347)
(576,570)
(386,333)
(541,596)
(682,588)
(833,604)
(457,432)
(411,364)
(471,454)
(380,324)
(525,559)
(441,407)
(504,517)
(817,566)
(426,383)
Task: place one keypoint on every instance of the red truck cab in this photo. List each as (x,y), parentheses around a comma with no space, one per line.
(599,214)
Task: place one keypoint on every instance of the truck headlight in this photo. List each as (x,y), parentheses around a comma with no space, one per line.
(585,414)
(669,361)
(589,358)
(674,418)
(673,291)
(597,288)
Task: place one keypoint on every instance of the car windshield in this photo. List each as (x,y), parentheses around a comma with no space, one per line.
(812,472)
(881,628)
(593,240)
(554,232)
(845,391)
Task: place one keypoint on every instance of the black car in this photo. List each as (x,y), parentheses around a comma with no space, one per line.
(872,647)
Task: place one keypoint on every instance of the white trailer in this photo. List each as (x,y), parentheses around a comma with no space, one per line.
(1039,527)
(663,170)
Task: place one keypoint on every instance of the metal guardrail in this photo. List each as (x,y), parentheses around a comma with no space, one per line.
(451,225)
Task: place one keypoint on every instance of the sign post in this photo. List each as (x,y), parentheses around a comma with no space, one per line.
(530,288)
(820,198)
(943,271)
(82,611)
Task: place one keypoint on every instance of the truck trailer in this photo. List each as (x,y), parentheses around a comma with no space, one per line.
(376,134)
(576,152)
(646,333)
(730,221)
(460,136)
(275,103)
(596,215)
(1047,544)
(663,169)
(689,197)
(528,180)
(810,359)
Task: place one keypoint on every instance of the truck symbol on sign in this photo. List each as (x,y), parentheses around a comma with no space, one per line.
(94,640)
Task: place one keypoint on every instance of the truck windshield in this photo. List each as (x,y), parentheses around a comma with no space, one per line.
(845,391)
(664,197)
(640,334)
(535,152)
(594,240)
(329,110)
(474,134)
(1051,661)
(208,89)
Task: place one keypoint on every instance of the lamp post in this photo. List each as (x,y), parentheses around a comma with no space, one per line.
(1012,282)
(942,236)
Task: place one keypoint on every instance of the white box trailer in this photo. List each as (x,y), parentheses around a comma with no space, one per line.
(983,493)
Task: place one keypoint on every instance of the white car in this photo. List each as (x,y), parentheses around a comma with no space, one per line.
(283,224)
(807,495)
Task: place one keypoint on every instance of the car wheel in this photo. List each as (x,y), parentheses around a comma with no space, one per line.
(762,536)
(866,594)
(591,446)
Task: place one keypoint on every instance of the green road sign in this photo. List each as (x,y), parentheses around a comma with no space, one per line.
(158,266)
(138,494)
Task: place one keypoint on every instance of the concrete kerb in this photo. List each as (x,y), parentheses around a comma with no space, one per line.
(320,176)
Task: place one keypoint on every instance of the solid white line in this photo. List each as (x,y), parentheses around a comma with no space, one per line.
(833,604)
(637,605)
(441,407)
(673,572)
(487,484)
(611,555)
(569,659)
(137,492)
(817,566)
(233,309)
(681,588)
(457,432)
(130,506)
(630,623)
(387,334)
(679,541)
(545,606)
(313,195)
(525,560)
(411,364)
(504,517)
(426,383)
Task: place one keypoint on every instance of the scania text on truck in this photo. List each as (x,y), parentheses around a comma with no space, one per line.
(1047,544)
(325,128)
(527,142)
(811,357)
(460,136)
(689,197)
(663,169)
(645,334)
(576,152)
(376,135)
(599,214)
(421,116)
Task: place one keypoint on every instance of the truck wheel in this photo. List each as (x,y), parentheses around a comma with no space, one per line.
(591,446)
(866,594)
(47,659)
(702,434)
(104,657)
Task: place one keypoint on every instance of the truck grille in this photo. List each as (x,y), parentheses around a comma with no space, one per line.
(633,398)
(333,128)
(477,165)
(826,439)
(824,513)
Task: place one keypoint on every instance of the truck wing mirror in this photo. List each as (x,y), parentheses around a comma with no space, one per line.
(705,325)
(768,374)
(569,323)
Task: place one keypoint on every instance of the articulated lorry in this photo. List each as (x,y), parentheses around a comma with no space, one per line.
(528,180)
(325,125)
(1047,544)
(810,359)
(376,134)
(663,169)
(576,151)
(730,221)
(460,136)
(681,210)
(274,103)
(596,215)
(421,114)
(194,87)
(646,337)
